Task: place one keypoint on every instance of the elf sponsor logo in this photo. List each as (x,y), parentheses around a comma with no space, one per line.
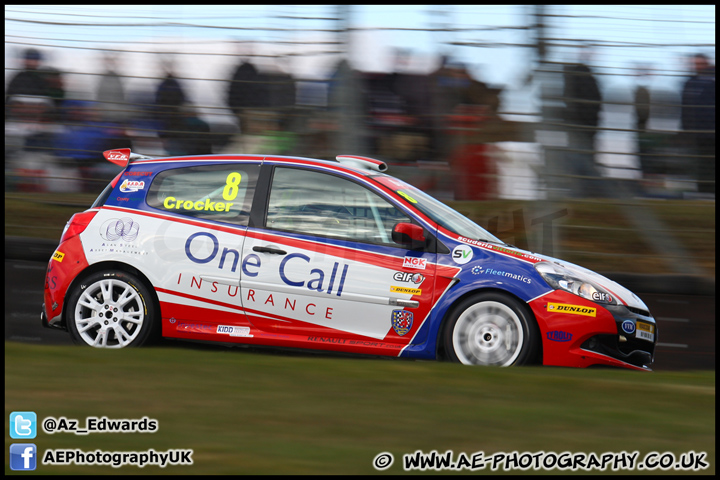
(462,254)
(415,262)
(234,331)
(602,297)
(574,309)
(412,291)
(415,278)
(131,185)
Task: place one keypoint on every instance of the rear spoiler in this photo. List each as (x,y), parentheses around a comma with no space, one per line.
(123,156)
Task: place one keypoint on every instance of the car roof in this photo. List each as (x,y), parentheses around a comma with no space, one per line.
(345,163)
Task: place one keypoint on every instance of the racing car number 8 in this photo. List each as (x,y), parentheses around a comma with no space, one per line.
(231,186)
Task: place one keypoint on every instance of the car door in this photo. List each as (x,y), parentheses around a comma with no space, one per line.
(324,265)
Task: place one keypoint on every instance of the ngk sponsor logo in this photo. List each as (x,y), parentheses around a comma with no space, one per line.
(415,262)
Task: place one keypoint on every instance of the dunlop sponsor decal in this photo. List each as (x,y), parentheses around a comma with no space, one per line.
(413,291)
(574,309)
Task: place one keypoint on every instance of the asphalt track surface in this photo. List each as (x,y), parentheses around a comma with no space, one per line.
(686,322)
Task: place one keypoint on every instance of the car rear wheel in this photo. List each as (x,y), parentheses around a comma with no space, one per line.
(111,309)
(491,329)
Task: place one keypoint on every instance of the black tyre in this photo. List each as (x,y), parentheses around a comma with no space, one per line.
(112,309)
(491,329)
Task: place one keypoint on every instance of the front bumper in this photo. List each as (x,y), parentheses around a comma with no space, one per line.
(585,334)
(634,342)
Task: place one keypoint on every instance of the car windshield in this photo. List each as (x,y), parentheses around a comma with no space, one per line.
(445,216)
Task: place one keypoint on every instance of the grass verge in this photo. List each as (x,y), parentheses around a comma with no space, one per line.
(256,413)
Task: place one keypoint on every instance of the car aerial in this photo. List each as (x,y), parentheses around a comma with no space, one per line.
(324,255)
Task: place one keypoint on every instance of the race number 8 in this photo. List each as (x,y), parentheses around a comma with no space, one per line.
(231,186)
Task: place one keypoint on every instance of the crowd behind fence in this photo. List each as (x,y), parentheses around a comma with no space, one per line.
(444,128)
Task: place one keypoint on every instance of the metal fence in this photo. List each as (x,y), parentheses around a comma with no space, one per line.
(550,104)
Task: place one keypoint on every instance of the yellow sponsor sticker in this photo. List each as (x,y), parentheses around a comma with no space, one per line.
(414,291)
(646,327)
(574,309)
(58,255)
(406,196)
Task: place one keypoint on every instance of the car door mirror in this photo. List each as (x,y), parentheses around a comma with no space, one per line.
(408,235)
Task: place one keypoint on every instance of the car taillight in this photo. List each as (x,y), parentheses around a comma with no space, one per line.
(77,225)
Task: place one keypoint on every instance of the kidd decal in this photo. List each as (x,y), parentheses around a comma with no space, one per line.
(415,262)
(234,331)
(574,309)
(402,321)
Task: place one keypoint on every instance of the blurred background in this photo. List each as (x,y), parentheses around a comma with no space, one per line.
(585,132)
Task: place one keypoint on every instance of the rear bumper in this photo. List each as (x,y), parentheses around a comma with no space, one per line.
(54,324)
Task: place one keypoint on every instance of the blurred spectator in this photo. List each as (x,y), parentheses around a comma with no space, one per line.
(182,131)
(649,165)
(243,93)
(698,119)
(346,105)
(583,101)
(169,97)
(110,93)
(83,139)
(447,89)
(36,80)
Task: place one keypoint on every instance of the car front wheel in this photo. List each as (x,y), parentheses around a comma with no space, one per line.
(491,329)
(111,309)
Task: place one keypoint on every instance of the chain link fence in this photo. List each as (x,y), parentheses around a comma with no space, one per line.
(607,108)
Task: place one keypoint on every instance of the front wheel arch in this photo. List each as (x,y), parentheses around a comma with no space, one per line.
(536,352)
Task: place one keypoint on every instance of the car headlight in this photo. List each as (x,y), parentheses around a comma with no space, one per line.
(560,278)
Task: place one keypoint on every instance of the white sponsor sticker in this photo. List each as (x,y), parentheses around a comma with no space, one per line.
(415,262)
(234,331)
(462,254)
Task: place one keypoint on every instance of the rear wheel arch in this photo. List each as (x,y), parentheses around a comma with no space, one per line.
(111,265)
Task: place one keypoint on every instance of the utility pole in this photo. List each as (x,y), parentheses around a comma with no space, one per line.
(549,134)
(351,121)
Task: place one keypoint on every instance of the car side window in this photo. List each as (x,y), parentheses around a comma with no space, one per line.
(211,192)
(316,203)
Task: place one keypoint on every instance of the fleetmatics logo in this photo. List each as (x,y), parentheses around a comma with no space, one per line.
(573,309)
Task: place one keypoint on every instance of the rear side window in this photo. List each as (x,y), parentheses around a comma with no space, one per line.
(212,192)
